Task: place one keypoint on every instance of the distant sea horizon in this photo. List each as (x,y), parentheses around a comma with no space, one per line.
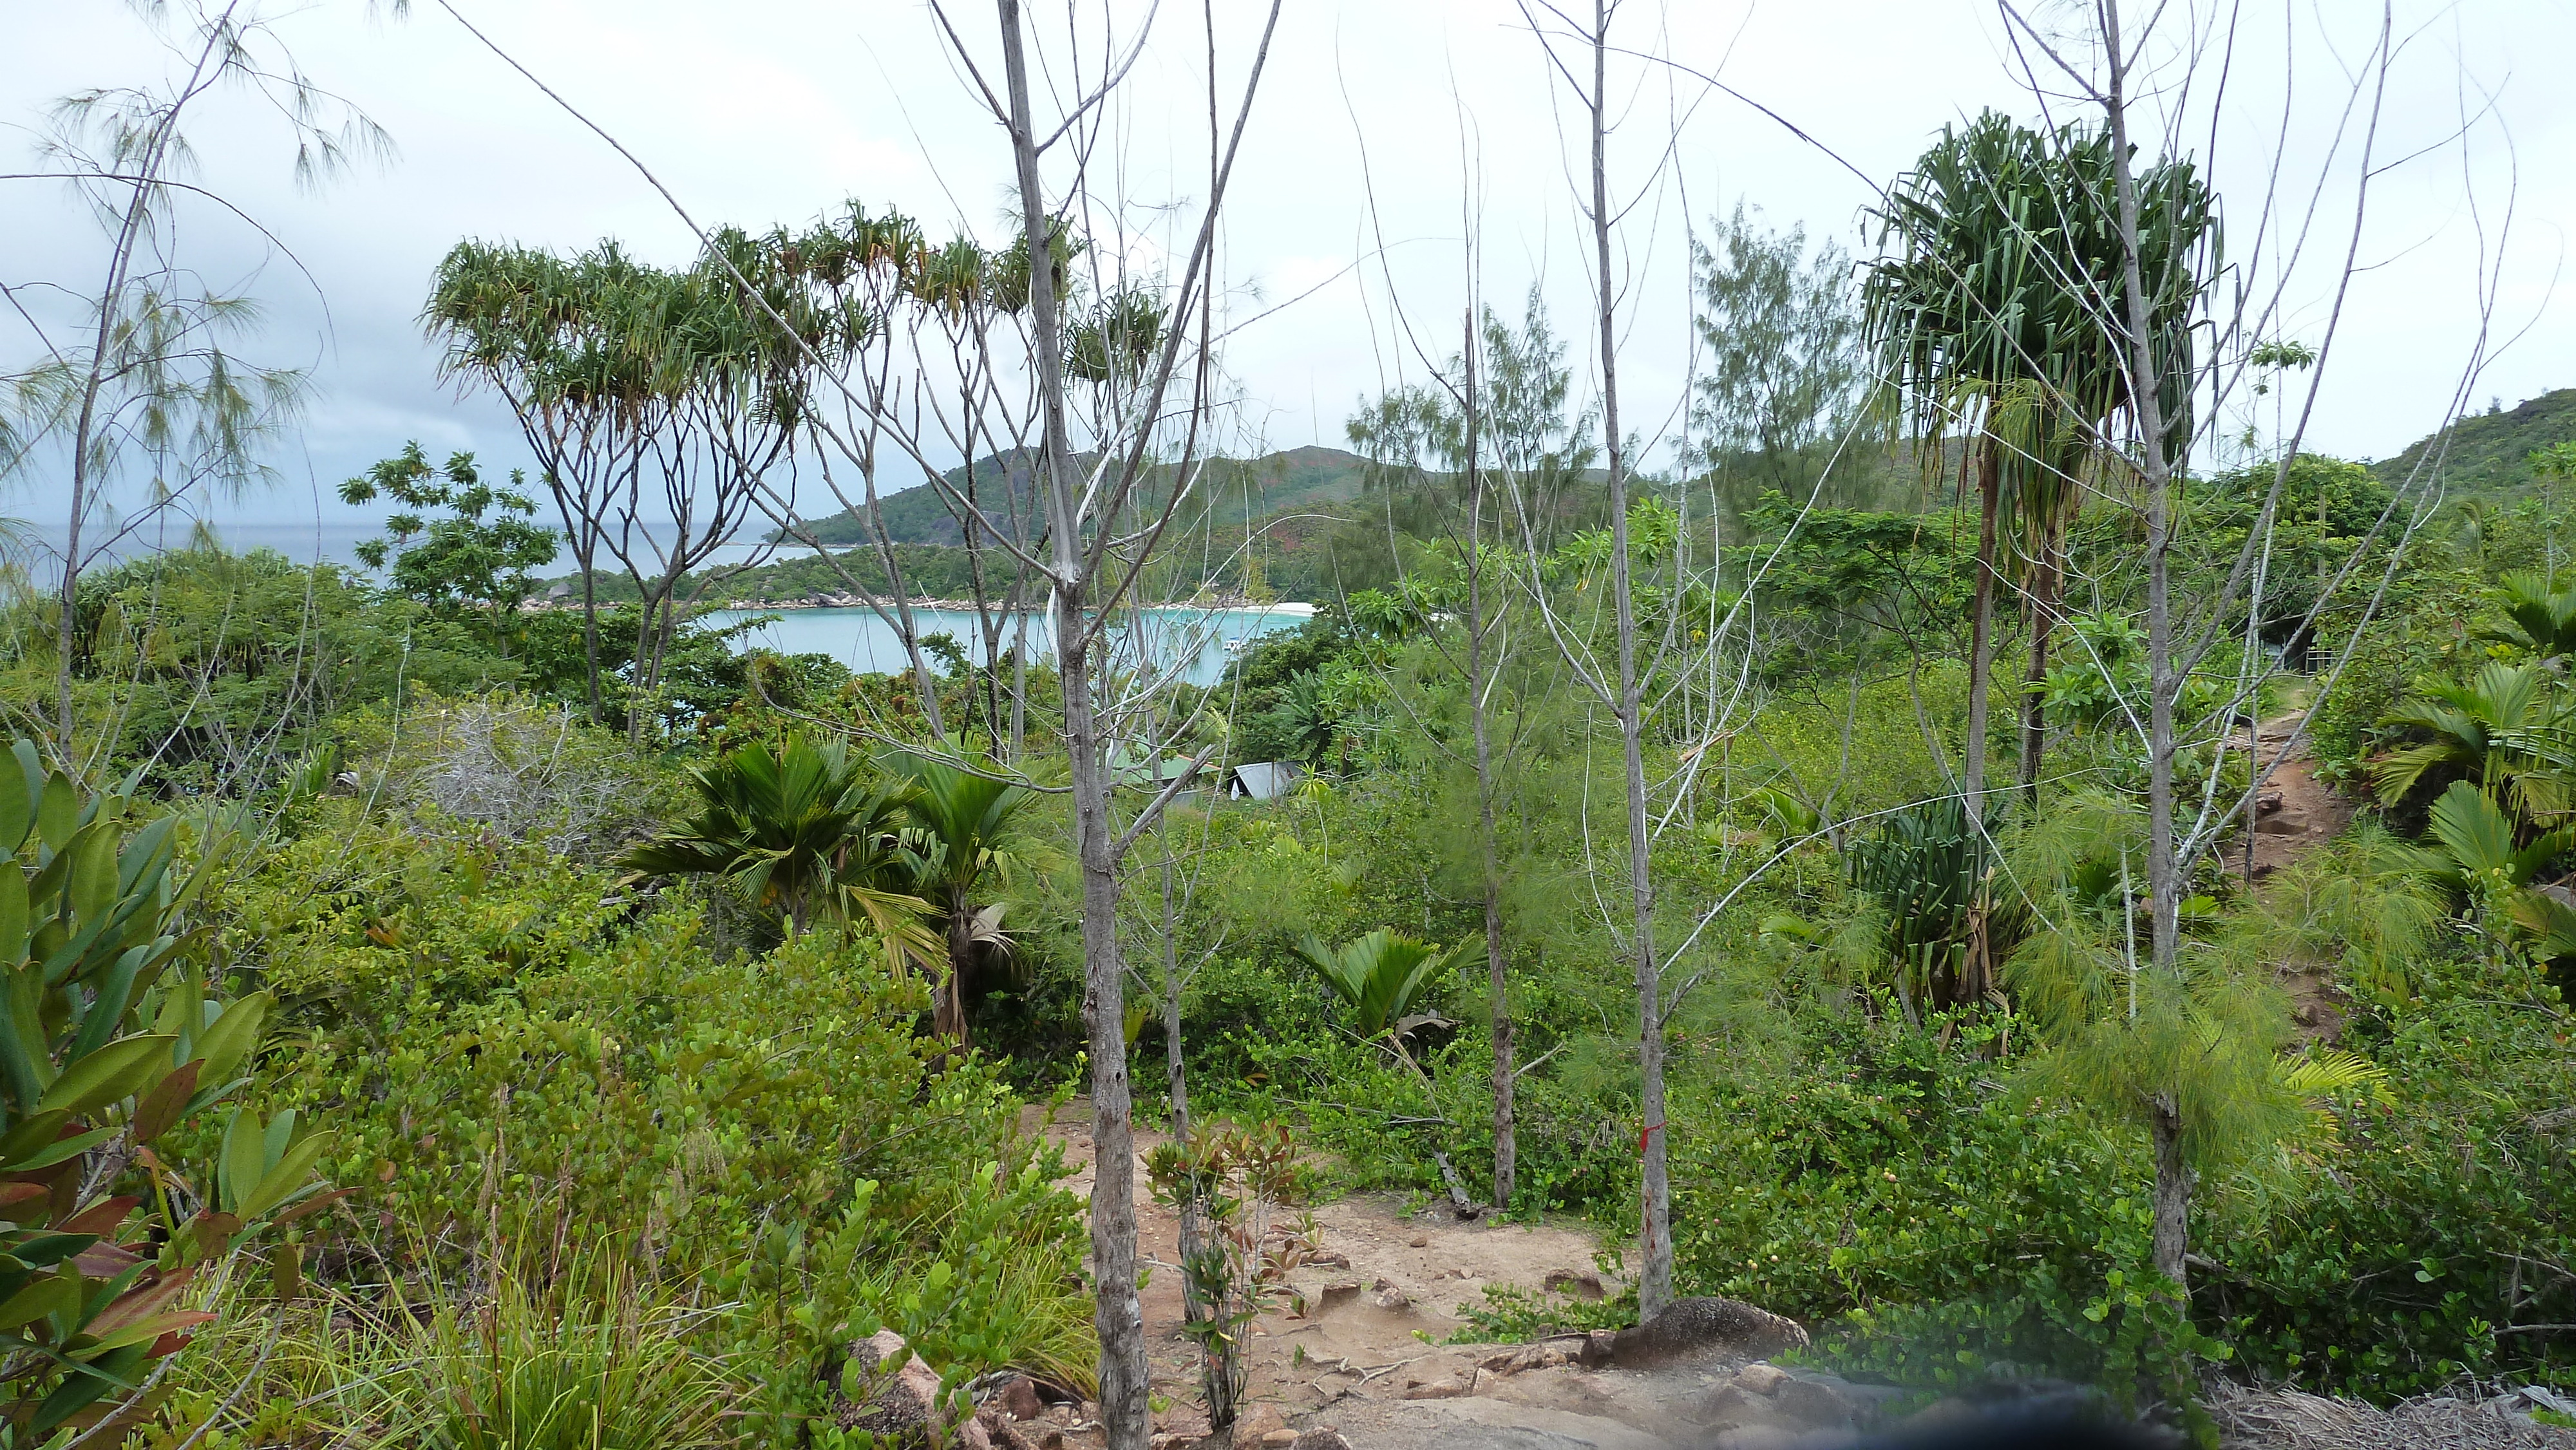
(303,541)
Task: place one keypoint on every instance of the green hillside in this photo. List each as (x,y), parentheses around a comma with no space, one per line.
(2484,453)
(1233,490)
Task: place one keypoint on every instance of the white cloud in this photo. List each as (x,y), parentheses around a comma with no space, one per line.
(768,111)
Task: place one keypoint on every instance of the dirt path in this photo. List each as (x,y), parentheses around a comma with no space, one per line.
(1366,1351)
(2296,813)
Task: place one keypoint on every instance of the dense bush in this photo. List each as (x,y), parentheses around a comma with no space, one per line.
(523,1058)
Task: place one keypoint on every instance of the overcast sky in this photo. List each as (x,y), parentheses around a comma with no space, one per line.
(1376,118)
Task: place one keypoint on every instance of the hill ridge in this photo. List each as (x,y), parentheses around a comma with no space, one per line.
(1236,489)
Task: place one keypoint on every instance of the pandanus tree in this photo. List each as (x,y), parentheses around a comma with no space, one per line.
(544,332)
(958,844)
(1995,311)
(920,355)
(1948,917)
(809,833)
(655,400)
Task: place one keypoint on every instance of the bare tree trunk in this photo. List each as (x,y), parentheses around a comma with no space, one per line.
(948,1003)
(1118,1314)
(1497,973)
(1981,634)
(2173,1197)
(1655,1228)
(1176,1087)
(2164,886)
(590,629)
(2044,587)
(120,263)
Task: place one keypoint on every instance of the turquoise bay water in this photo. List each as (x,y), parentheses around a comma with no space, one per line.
(1200,641)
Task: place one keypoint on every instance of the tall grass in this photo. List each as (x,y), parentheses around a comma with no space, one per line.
(588,1361)
(581,1355)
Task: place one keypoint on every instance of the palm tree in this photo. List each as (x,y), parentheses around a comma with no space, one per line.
(2540,617)
(2475,852)
(2506,731)
(808,833)
(961,818)
(1379,975)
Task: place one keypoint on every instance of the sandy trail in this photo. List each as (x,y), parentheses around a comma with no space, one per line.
(2295,813)
(1382,1295)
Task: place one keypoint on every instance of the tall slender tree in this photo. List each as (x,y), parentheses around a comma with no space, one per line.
(1087,519)
(135,391)
(1620,684)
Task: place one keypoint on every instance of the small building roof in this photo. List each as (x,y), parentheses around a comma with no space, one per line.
(1267,780)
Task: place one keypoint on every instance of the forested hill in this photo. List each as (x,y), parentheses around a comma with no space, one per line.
(1233,490)
(2487,450)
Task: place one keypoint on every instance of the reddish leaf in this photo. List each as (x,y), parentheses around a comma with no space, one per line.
(150,1330)
(103,1260)
(317,1201)
(215,1232)
(101,1217)
(161,1107)
(13,1194)
(138,1304)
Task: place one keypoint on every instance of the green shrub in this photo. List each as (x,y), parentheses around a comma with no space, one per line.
(709,1112)
(120,1182)
(372,921)
(2449,1219)
(1951,1228)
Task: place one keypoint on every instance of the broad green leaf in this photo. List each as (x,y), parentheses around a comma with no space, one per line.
(107,1010)
(57,811)
(117,1070)
(233,1036)
(183,1013)
(31,773)
(143,860)
(17,810)
(244,1162)
(32,1133)
(112,1370)
(45,887)
(93,880)
(49,1249)
(60,1150)
(24,1064)
(48,1295)
(13,907)
(293,1171)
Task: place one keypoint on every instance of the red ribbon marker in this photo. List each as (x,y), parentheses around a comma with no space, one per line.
(1651,1130)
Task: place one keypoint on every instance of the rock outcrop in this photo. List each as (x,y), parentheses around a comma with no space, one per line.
(1705,1329)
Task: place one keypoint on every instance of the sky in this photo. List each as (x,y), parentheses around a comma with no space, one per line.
(1383,133)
